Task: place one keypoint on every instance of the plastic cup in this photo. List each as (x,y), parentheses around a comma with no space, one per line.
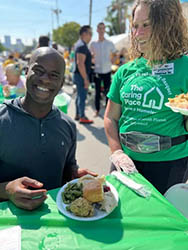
(12,90)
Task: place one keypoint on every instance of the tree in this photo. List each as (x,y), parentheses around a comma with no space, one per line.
(67,34)
(2,48)
(117,13)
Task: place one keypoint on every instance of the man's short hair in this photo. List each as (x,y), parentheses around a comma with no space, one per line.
(44,41)
(84,28)
(101,23)
(11,56)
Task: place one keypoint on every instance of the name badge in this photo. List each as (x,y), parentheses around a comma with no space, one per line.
(165,69)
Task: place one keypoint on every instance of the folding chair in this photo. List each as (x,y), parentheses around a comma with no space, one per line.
(178,196)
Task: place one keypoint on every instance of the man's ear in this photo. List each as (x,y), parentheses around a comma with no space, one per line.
(62,81)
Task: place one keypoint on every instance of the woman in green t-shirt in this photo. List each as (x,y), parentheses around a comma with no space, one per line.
(143,134)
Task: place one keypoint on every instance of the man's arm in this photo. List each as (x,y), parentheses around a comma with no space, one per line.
(93,54)
(114,53)
(114,57)
(80,60)
(71,169)
(3,193)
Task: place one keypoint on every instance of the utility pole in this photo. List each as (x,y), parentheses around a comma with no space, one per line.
(57,11)
(90,12)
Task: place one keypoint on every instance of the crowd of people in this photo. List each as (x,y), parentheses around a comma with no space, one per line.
(38,141)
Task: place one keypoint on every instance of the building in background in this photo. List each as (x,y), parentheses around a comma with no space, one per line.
(17,47)
(7,44)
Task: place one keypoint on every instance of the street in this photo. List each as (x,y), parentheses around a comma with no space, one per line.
(92,148)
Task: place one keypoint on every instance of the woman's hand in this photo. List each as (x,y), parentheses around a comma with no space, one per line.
(123,162)
(19,193)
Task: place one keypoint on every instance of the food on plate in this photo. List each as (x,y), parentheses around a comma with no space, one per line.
(87,194)
(109,202)
(93,191)
(87,178)
(72,192)
(92,188)
(179,101)
(81,207)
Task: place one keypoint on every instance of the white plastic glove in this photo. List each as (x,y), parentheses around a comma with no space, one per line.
(123,162)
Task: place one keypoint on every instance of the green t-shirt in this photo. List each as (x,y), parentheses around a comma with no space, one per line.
(142,92)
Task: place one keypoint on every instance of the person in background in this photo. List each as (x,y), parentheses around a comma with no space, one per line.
(143,134)
(43,41)
(123,56)
(2,75)
(66,54)
(10,60)
(82,69)
(54,45)
(104,54)
(38,141)
(14,85)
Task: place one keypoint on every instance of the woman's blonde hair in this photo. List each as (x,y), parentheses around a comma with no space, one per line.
(169,31)
(14,69)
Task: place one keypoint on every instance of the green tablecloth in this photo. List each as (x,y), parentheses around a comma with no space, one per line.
(136,224)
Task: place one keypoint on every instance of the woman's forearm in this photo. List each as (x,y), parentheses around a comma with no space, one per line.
(111,130)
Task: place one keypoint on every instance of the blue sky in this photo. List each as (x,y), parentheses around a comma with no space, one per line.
(27,19)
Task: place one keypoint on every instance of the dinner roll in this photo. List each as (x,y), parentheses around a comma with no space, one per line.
(93,191)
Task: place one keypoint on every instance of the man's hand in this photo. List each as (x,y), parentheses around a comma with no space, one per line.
(83,171)
(23,197)
(123,162)
(86,83)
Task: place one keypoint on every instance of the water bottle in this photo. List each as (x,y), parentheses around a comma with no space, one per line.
(12,90)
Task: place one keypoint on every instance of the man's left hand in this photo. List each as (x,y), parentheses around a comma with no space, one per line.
(83,171)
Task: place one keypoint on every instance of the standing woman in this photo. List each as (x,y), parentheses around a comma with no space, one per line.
(143,134)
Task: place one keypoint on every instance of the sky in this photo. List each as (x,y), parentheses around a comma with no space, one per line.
(28,19)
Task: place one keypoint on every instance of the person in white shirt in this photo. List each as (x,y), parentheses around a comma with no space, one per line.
(103,52)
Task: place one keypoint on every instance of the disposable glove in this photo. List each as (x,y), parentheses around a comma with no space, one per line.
(123,162)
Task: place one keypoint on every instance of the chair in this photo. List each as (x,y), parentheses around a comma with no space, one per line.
(178,196)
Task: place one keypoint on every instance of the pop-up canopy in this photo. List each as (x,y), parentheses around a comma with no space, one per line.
(120,41)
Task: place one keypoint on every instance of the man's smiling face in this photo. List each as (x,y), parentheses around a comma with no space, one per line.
(45,77)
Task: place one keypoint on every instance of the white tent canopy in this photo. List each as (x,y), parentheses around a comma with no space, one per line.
(120,41)
(185,9)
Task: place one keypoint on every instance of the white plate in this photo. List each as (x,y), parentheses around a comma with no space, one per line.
(98,214)
(176,109)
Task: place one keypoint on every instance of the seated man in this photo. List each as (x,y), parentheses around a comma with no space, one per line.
(37,140)
(14,85)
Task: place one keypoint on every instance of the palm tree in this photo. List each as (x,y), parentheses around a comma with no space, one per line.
(117,13)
